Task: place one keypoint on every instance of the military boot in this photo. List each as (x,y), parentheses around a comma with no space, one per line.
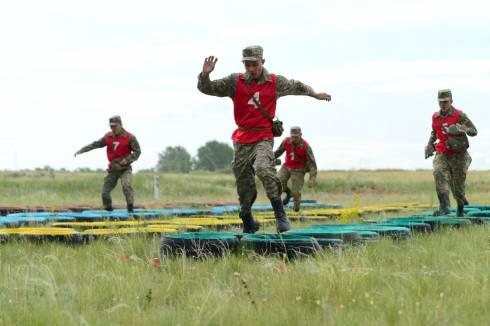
(287,199)
(130,208)
(249,224)
(443,205)
(460,211)
(108,208)
(297,201)
(282,222)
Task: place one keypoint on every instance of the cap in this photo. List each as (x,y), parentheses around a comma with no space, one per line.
(444,95)
(295,131)
(253,53)
(114,119)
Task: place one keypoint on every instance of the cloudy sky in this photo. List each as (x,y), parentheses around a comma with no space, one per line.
(66,66)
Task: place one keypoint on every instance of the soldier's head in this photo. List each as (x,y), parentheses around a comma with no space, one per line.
(445,98)
(116,124)
(253,60)
(295,134)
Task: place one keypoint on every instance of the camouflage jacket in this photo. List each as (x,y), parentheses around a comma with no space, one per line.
(226,86)
(310,163)
(463,120)
(133,144)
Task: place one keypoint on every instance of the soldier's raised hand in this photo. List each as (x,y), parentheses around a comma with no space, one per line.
(208,65)
(323,97)
(311,183)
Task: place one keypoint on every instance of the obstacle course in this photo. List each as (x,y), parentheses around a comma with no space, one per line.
(204,231)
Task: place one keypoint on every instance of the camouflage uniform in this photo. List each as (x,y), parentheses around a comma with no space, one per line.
(450,170)
(256,157)
(117,172)
(297,176)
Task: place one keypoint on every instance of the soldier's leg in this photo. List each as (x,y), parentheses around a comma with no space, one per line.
(110,181)
(242,166)
(468,163)
(297,182)
(284,176)
(264,167)
(127,187)
(442,178)
(459,167)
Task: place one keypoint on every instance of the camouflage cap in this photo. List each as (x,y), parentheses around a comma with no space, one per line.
(444,95)
(253,53)
(114,119)
(295,131)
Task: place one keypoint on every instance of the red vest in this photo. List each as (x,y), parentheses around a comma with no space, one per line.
(117,147)
(295,155)
(248,116)
(439,124)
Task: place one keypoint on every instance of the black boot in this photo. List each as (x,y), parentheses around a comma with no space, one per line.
(443,205)
(460,211)
(130,208)
(108,208)
(287,199)
(282,222)
(249,224)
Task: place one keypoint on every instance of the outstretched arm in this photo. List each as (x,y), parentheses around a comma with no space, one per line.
(96,144)
(280,150)
(311,163)
(286,87)
(220,87)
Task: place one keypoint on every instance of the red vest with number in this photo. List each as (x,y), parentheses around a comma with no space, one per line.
(116,146)
(295,156)
(248,116)
(439,124)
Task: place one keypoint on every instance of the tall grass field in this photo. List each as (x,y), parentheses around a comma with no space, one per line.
(441,278)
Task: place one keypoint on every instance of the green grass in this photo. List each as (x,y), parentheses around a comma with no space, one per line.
(372,187)
(436,279)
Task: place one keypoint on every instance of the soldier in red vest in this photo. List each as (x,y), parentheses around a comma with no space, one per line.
(299,160)
(254,95)
(450,128)
(122,150)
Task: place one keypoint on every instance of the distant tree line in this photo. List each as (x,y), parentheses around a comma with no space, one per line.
(212,156)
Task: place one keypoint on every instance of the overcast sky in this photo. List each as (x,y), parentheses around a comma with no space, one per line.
(66,66)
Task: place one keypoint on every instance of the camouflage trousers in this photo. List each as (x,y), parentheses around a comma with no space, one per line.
(297,179)
(110,182)
(450,173)
(250,159)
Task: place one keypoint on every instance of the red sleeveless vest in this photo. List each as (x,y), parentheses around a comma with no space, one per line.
(295,156)
(116,146)
(248,116)
(439,124)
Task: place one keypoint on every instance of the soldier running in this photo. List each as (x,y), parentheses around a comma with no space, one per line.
(122,150)
(253,139)
(450,128)
(299,160)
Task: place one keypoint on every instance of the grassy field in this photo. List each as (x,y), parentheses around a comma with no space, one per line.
(371,187)
(435,279)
